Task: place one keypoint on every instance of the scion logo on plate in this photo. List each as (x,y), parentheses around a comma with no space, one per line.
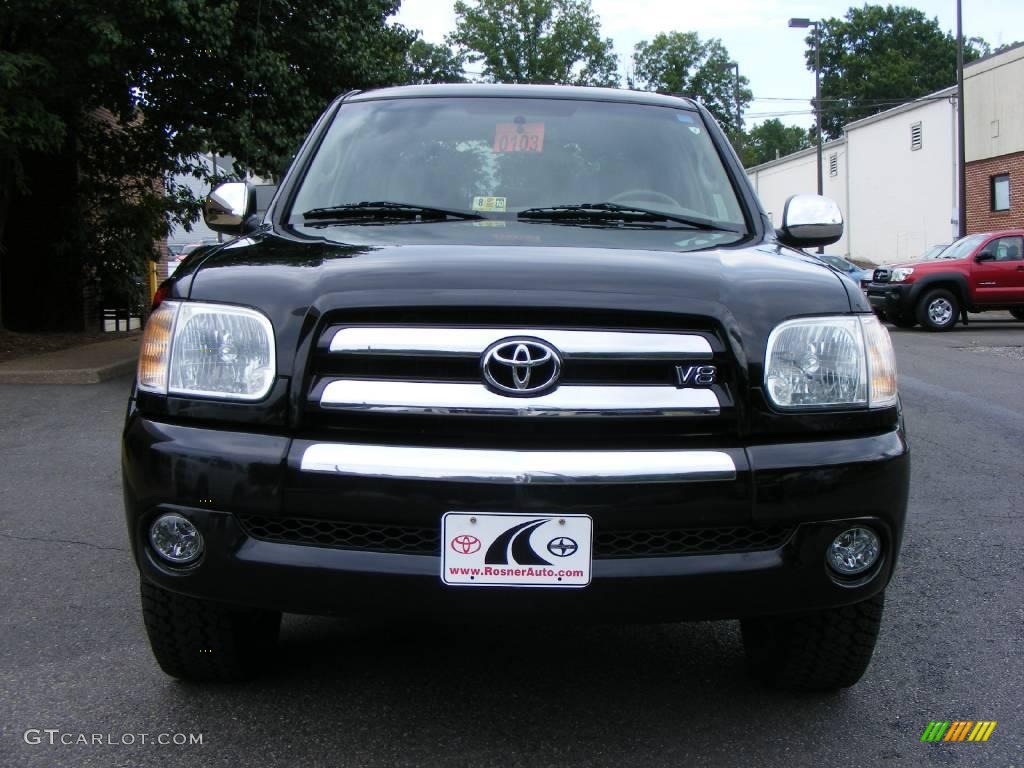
(562,546)
(521,367)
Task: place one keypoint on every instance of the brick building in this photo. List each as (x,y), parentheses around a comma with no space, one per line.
(994,95)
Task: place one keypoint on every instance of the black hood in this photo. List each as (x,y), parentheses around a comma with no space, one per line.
(743,291)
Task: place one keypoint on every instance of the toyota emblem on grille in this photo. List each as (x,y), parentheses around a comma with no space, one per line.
(521,367)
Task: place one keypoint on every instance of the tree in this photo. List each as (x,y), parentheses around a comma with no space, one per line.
(535,41)
(982,47)
(680,62)
(103,102)
(429,63)
(878,57)
(772,139)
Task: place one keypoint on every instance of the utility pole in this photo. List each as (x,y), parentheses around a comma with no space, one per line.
(961,170)
(739,116)
(804,24)
(817,104)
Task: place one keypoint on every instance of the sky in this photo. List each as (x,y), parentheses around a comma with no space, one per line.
(755,32)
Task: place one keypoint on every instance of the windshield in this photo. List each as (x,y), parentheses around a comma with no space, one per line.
(496,157)
(935,251)
(963,247)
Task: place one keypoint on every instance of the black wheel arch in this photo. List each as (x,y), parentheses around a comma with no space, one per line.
(954,282)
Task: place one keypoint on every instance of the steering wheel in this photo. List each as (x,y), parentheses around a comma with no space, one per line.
(644,194)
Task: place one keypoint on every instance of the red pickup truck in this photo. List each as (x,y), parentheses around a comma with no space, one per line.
(977,273)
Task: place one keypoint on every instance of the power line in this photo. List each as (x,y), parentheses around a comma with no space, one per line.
(778,114)
(891,100)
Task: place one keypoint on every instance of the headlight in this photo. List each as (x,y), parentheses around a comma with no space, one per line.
(211,350)
(824,362)
(901,273)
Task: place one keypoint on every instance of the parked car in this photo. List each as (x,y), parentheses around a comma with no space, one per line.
(520,352)
(977,273)
(859,275)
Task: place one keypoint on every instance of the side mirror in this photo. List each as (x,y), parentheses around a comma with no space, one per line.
(228,206)
(985,256)
(809,220)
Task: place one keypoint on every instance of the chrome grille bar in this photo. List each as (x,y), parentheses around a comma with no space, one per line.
(435,398)
(422,341)
(517,467)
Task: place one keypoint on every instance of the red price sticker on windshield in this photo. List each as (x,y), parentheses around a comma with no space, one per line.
(519,137)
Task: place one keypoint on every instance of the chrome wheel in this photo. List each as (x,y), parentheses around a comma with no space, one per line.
(940,311)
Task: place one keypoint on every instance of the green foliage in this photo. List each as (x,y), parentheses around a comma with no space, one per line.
(535,41)
(429,63)
(131,92)
(680,62)
(30,125)
(772,139)
(877,57)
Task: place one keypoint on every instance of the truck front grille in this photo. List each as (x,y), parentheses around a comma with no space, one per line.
(447,380)
(608,544)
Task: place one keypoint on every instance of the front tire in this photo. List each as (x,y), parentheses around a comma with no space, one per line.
(938,310)
(819,651)
(203,641)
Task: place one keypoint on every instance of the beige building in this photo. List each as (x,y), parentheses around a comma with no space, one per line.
(994,93)
(902,180)
(797,174)
(894,174)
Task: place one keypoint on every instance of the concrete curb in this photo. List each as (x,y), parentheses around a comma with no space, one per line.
(87,364)
(69,375)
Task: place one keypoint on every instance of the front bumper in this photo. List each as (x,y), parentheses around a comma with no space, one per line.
(220,479)
(889,297)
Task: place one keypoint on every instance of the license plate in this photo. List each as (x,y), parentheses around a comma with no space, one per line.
(510,550)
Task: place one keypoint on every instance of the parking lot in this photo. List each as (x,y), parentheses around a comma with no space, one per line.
(74,657)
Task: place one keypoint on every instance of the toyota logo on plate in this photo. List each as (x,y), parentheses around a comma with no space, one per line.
(466,544)
(521,366)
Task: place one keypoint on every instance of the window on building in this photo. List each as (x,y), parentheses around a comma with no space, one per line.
(916,140)
(833,164)
(1001,192)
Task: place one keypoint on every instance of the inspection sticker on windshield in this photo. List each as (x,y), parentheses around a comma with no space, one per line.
(508,550)
(493,204)
(519,137)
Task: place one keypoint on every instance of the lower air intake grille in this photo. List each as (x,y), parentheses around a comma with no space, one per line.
(403,539)
(411,540)
(688,541)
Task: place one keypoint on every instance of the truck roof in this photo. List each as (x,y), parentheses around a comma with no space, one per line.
(489,90)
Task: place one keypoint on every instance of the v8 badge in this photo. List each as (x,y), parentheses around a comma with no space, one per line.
(695,375)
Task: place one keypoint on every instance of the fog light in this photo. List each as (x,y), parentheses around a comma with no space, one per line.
(854,551)
(175,539)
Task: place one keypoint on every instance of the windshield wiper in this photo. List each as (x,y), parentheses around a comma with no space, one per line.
(598,212)
(385,209)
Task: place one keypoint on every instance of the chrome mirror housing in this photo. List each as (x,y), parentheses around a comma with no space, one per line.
(228,206)
(809,220)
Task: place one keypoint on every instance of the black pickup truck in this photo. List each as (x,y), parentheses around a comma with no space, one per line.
(521,353)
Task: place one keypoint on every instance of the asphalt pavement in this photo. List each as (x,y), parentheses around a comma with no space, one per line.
(74,664)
